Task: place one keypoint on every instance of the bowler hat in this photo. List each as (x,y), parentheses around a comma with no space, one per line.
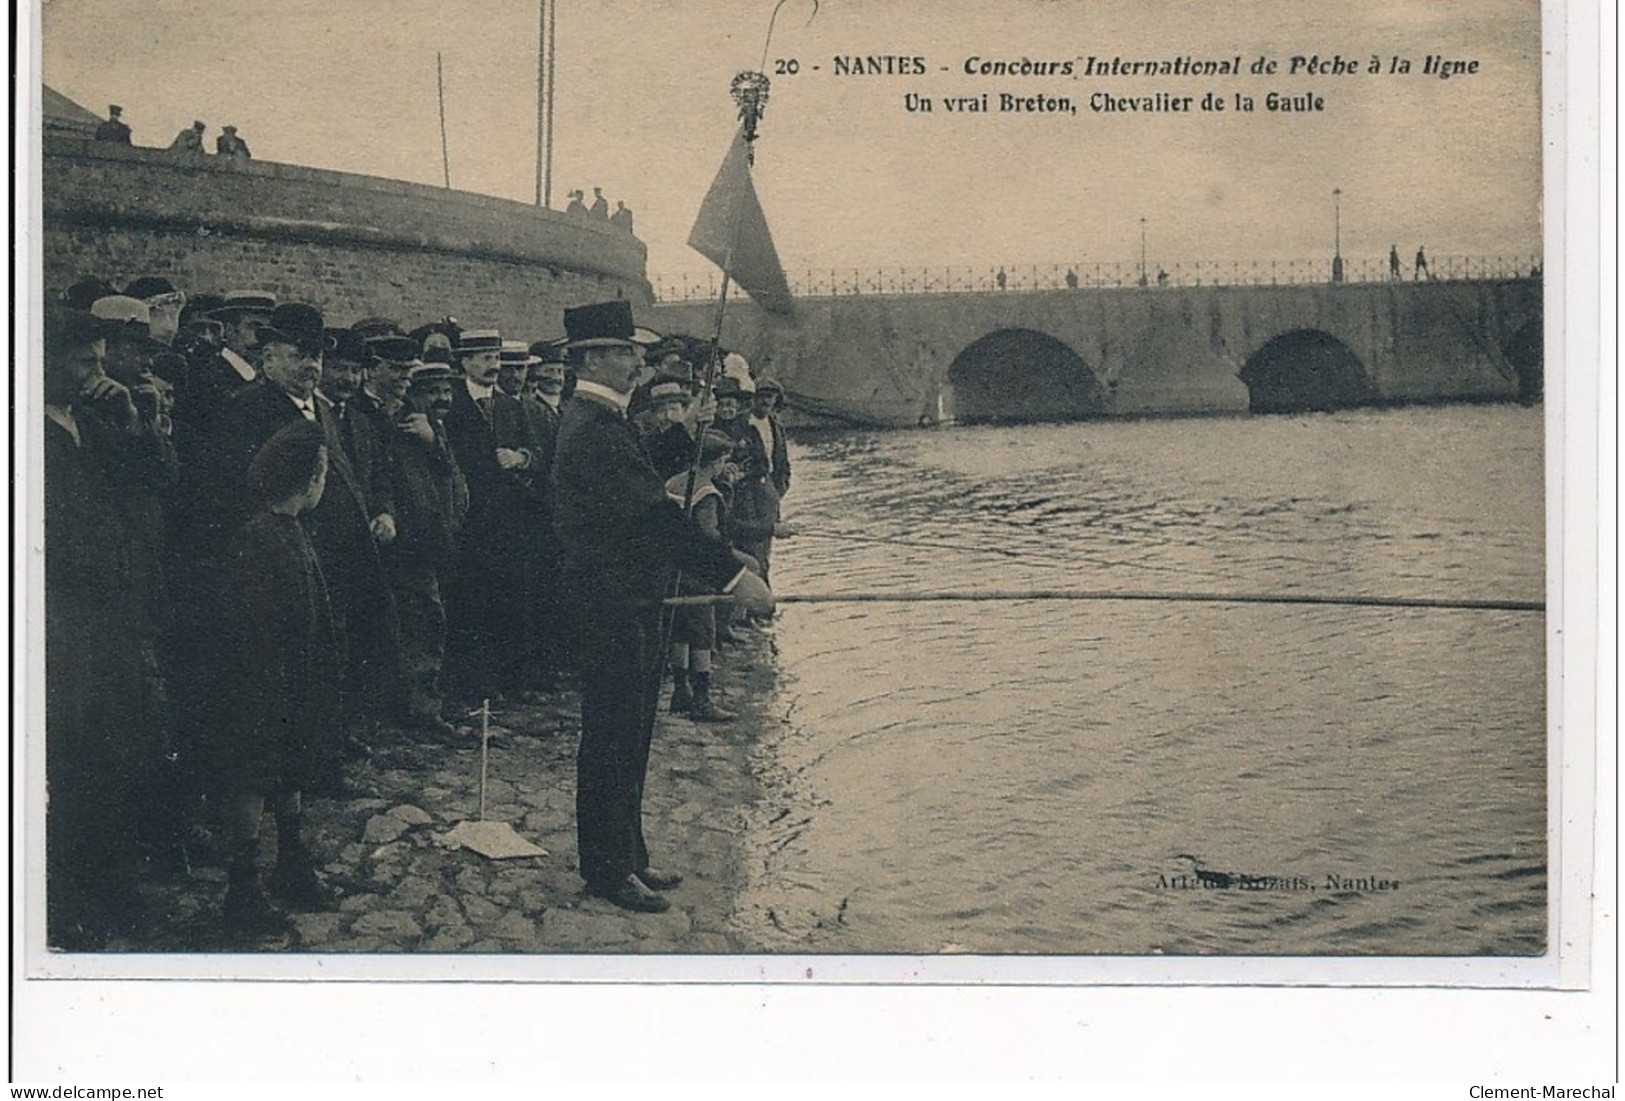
(298,324)
(376,326)
(349,346)
(83,294)
(148,287)
(727,387)
(68,326)
(605,325)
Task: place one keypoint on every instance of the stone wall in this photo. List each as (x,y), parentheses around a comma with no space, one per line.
(353,245)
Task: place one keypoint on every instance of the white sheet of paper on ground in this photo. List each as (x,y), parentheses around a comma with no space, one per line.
(494,840)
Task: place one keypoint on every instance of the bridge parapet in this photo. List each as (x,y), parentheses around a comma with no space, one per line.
(1018,278)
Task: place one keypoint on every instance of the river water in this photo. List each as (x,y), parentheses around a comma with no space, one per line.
(1047,776)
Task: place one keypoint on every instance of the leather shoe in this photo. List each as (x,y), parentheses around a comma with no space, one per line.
(631,894)
(658,880)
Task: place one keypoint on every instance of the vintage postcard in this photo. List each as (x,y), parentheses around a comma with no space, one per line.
(1036,492)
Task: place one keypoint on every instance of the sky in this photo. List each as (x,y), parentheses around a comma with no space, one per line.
(848,177)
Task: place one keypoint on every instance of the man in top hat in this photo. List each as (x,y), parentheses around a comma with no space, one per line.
(228,144)
(431,497)
(104,681)
(189,142)
(292,344)
(114,129)
(487,594)
(621,536)
(600,205)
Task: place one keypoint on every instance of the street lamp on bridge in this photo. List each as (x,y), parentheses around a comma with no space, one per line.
(1337,235)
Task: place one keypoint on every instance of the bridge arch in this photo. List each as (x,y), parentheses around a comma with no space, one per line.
(1306,370)
(1022,375)
(1526,354)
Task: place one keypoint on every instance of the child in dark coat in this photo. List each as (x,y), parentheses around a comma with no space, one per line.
(281,688)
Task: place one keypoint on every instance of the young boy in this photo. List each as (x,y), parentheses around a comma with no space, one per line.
(694,630)
(281,684)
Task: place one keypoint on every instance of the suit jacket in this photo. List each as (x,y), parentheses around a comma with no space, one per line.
(339,526)
(620,533)
(498,499)
(368,437)
(431,500)
(756,457)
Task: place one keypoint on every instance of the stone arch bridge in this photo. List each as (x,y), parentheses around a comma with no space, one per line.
(1138,351)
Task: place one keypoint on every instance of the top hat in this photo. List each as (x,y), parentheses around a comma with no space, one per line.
(228,129)
(114,109)
(239,303)
(298,324)
(605,325)
(472,341)
(196,125)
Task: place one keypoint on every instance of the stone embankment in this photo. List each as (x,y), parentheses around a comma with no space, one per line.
(405,889)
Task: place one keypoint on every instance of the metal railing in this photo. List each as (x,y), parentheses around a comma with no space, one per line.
(1017,278)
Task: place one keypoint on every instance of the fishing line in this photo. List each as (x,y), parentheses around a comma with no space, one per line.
(1073,559)
(1024,595)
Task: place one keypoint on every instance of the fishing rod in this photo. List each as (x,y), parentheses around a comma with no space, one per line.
(1168,597)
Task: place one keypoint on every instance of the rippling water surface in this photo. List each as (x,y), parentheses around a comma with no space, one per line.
(1047,776)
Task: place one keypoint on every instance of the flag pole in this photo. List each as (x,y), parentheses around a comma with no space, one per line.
(440,88)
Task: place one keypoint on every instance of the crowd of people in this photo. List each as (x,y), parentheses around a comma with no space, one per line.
(267,537)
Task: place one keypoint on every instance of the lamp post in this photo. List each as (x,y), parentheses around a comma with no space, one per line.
(1337,235)
(1143,280)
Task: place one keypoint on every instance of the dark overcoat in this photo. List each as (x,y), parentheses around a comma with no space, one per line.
(621,537)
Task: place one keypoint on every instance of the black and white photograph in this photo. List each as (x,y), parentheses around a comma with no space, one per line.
(1029,492)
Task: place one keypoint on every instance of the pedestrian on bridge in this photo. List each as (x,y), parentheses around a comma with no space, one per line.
(1422,265)
(1393,264)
